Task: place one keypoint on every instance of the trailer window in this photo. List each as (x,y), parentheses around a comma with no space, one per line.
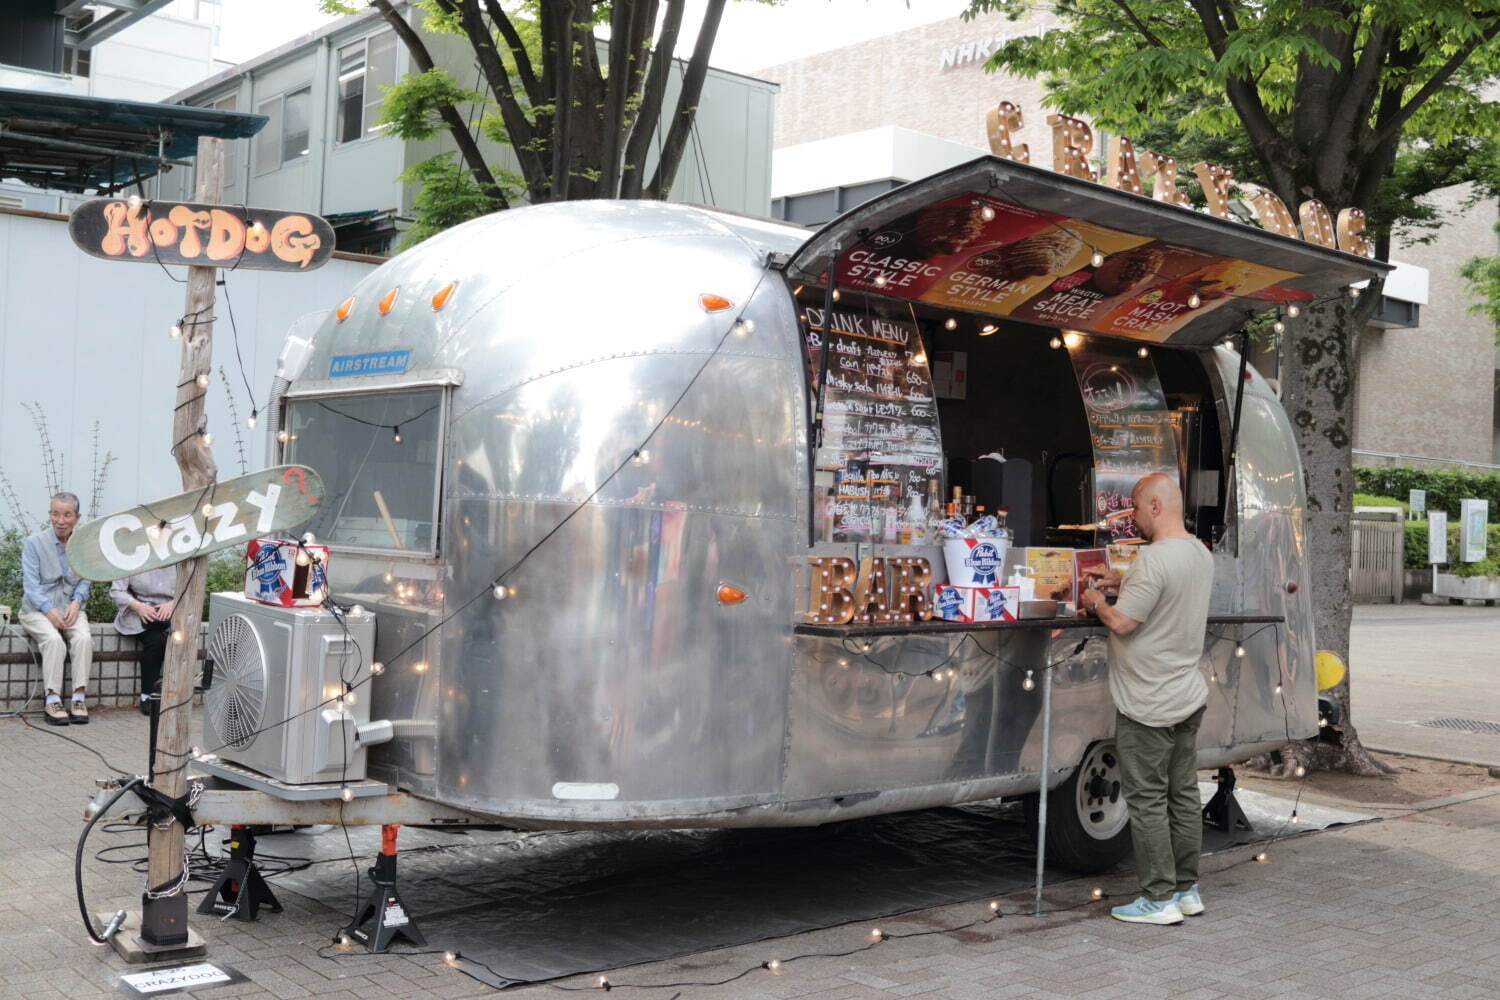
(378,455)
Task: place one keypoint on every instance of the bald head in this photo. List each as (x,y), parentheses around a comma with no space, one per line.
(1158,507)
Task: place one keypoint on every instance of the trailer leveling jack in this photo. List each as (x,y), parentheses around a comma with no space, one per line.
(240,891)
(382,917)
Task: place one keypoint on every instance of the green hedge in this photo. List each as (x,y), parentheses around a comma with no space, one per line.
(224,573)
(1416,551)
(1445,487)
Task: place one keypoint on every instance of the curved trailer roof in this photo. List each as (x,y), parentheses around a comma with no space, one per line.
(902,224)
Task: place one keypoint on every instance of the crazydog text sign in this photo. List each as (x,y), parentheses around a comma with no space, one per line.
(195,523)
(203,235)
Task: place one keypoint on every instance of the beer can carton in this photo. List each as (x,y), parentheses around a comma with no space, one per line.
(954,604)
(996,604)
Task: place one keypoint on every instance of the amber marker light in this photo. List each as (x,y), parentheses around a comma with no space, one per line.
(730,595)
(386,301)
(342,312)
(441,298)
(714,303)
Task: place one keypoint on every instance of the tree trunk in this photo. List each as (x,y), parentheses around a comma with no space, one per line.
(1319,364)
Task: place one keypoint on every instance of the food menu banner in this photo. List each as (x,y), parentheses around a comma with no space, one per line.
(881,457)
(1129,425)
(977,252)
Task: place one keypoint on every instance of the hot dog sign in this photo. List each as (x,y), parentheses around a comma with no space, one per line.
(195,523)
(203,235)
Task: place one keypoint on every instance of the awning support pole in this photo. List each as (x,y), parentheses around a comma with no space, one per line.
(1041,805)
(828,290)
(1230,479)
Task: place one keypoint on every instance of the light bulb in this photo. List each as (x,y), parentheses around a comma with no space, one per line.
(450,957)
(135,202)
(197,752)
(642,457)
(950,323)
(604,982)
(315,595)
(1143,352)
(396,434)
(256,229)
(1194,301)
(1098,893)
(994,906)
(202,380)
(1292,818)
(1278,689)
(1279,326)
(774,964)
(177,636)
(208,510)
(1098,259)
(308,538)
(1301,771)
(877,934)
(283,436)
(1293,311)
(343,940)
(390,578)
(1027,683)
(501,592)
(987,329)
(1055,343)
(987,213)
(207,437)
(350,697)
(746,326)
(420,667)
(880,281)
(1353,292)
(176,331)
(836,295)
(1239,651)
(250,420)
(303,559)
(1261,857)
(347,794)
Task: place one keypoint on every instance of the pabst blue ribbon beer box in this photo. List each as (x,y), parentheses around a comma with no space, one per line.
(953,604)
(996,604)
(286,573)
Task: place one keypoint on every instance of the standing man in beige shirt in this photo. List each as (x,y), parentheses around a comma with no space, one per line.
(1157,629)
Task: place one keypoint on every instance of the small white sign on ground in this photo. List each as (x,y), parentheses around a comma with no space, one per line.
(175,979)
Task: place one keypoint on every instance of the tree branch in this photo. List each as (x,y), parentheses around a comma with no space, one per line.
(1146,33)
(1392,128)
(621,30)
(633,179)
(468,148)
(1266,138)
(517,126)
(534,92)
(687,102)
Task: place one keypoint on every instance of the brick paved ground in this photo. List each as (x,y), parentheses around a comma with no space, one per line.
(1402,908)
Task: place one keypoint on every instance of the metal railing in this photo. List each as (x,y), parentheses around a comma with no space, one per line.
(1422,461)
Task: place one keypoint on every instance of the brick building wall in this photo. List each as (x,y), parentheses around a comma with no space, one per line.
(1431,390)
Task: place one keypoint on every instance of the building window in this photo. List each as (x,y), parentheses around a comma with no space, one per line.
(285,137)
(77,62)
(366,68)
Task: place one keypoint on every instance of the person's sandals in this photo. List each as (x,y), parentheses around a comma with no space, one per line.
(56,714)
(79,712)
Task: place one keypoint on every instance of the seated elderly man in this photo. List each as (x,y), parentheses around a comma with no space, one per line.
(52,610)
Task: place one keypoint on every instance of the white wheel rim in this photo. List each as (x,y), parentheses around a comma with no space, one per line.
(1100,799)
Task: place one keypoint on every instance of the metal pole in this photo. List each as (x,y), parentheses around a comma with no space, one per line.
(1041,809)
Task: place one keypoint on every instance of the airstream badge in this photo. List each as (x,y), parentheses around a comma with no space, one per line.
(374,363)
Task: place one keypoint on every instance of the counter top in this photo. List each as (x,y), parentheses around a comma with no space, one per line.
(938,626)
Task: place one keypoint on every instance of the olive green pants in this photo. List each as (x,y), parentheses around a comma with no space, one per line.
(1159,774)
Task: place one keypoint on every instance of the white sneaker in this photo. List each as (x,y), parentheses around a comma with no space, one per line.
(1148,911)
(1189,901)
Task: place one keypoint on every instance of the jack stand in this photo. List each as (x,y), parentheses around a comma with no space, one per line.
(383,908)
(241,890)
(1223,811)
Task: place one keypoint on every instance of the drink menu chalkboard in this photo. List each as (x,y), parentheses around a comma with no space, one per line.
(881,458)
(1129,425)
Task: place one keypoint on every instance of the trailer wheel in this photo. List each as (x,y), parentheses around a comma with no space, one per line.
(1088,829)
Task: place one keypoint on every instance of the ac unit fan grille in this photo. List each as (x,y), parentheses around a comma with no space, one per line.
(236,703)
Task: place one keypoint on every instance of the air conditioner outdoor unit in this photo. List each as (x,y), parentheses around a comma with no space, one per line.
(274,668)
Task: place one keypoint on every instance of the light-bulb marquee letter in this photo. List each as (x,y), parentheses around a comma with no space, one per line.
(831,592)
(1317,224)
(1122,173)
(1002,123)
(1270,211)
(1072,141)
(1215,180)
(1352,237)
(872,604)
(1164,179)
(911,580)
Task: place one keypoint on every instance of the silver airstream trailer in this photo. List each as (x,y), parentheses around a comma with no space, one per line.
(587,465)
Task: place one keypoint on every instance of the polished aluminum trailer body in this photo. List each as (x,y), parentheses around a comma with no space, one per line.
(611,687)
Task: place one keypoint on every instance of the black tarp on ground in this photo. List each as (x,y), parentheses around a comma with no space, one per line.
(538,906)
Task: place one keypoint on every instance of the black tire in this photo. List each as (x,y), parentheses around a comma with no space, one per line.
(1087,828)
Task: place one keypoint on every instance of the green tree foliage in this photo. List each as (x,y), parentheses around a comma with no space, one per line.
(580,126)
(1366,104)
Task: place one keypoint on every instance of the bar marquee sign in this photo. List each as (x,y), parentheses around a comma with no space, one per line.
(201,235)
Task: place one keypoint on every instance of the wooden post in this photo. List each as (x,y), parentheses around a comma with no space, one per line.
(164,921)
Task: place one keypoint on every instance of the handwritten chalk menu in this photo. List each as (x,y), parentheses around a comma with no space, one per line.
(881,458)
(1129,425)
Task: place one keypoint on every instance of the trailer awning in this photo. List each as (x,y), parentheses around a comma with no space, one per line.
(999,238)
(72,143)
